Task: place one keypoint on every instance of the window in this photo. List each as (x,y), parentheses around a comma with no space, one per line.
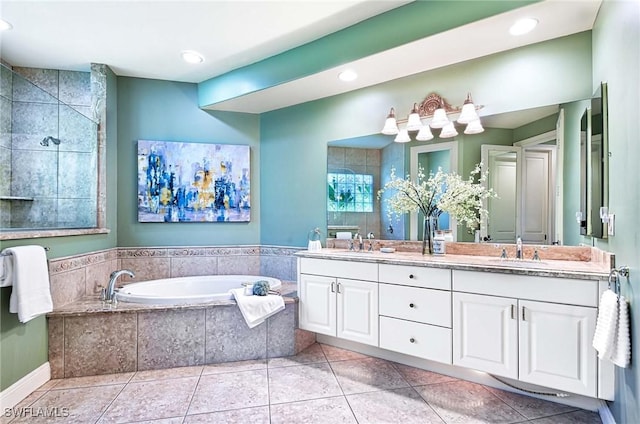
(349,192)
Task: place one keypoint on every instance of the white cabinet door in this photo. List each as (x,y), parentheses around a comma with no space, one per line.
(317,306)
(485,333)
(358,311)
(555,346)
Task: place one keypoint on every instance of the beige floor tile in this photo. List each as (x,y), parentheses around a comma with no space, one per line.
(334,410)
(257,415)
(576,417)
(367,375)
(465,402)
(169,373)
(304,382)
(419,377)
(80,405)
(310,355)
(93,381)
(392,406)
(7,415)
(239,366)
(529,406)
(149,400)
(219,392)
(338,354)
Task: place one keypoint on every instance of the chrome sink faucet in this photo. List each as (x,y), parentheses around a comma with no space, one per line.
(111,288)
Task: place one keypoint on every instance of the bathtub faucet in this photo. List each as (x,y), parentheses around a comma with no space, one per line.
(111,288)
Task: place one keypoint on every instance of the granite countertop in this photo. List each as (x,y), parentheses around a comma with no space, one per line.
(93,304)
(591,270)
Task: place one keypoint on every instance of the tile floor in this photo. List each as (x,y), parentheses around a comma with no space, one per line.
(322,384)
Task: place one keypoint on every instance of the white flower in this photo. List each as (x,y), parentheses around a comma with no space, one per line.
(441,192)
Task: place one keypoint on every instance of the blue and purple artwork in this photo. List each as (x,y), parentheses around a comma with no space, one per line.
(193,182)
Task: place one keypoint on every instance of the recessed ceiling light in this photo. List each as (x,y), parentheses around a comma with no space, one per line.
(191,56)
(4,25)
(348,75)
(523,26)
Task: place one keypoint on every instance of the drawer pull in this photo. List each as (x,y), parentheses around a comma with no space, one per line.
(333,287)
(412,340)
(411,305)
(513,311)
(412,276)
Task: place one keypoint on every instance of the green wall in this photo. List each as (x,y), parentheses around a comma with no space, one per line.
(168,111)
(294,139)
(23,347)
(616,60)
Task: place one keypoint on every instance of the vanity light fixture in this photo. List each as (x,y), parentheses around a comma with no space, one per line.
(523,26)
(192,56)
(435,107)
(4,25)
(347,75)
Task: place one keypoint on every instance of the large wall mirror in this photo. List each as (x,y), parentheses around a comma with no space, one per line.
(522,151)
(594,166)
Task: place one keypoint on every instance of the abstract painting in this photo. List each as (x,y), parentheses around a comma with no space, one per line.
(193,182)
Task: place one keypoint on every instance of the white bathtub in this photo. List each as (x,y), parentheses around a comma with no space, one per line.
(188,290)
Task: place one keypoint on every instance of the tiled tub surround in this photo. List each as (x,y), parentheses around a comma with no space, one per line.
(85,339)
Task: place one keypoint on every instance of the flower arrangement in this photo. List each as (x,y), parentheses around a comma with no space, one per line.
(441,192)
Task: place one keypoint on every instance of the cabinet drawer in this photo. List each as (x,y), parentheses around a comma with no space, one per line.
(342,269)
(416,304)
(546,289)
(432,278)
(415,339)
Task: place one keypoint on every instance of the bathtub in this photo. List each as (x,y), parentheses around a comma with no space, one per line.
(188,290)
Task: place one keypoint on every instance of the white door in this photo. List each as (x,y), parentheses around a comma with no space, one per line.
(555,346)
(485,333)
(317,306)
(358,311)
(535,196)
(503,164)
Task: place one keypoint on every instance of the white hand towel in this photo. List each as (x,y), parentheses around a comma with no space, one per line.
(31,294)
(6,270)
(256,309)
(603,339)
(621,352)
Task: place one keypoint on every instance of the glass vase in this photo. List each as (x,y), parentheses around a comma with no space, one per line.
(427,234)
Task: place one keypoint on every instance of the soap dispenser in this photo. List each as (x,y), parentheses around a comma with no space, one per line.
(519,248)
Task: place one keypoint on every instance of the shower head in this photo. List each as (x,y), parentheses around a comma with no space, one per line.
(45,141)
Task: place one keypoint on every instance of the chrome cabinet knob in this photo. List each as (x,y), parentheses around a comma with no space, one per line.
(411,305)
(411,276)
(412,340)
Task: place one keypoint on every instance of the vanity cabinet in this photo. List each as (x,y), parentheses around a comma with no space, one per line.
(520,337)
(340,307)
(415,311)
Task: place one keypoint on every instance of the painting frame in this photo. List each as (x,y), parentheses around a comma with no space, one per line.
(193,182)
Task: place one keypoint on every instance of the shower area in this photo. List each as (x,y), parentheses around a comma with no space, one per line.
(48,150)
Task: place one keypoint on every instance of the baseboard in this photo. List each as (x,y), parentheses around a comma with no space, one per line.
(22,388)
(605,414)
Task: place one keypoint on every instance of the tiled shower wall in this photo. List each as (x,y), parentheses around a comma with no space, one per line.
(61,179)
(75,277)
(360,161)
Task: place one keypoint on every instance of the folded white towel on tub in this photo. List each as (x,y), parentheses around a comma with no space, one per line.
(31,292)
(256,309)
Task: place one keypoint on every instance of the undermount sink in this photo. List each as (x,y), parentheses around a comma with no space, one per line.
(524,263)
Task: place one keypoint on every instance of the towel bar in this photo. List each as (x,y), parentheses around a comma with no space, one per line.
(614,276)
(7,254)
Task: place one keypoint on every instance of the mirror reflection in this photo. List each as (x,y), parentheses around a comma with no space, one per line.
(520,147)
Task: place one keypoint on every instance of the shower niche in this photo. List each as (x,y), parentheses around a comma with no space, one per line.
(48,150)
